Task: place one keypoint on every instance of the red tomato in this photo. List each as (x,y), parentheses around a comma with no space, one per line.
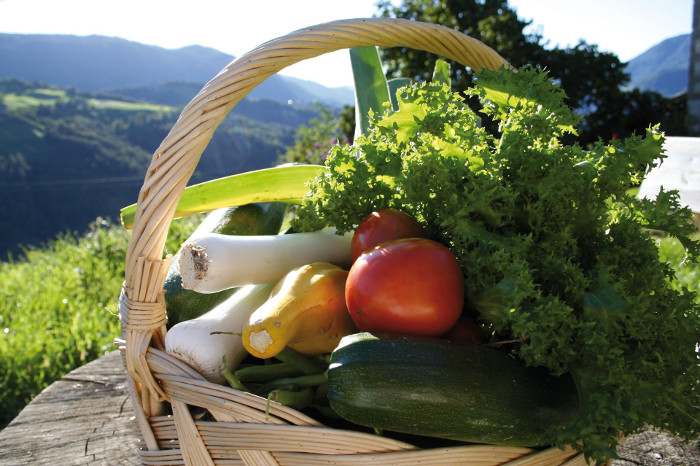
(411,286)
(382,226)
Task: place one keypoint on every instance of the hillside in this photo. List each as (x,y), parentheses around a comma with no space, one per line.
(67,157)
(81,116)
(663,68)
(99,64)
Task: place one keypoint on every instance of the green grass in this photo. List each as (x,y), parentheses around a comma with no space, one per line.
(34,98)
(51,93)
(107,104)
(59,308)
(15,102)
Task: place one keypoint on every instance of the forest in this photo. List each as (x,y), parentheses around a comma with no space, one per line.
(68,157)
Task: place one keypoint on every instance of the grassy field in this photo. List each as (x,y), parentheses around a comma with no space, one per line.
(33,98)
(109,104)
(59,306)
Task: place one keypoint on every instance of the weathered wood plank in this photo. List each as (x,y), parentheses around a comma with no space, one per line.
(649,448)
(86,418)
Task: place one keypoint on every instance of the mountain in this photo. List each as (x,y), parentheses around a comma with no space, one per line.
(69,156)
(81,116)
(99,63)
(178,93)
(663,68)
(341,95)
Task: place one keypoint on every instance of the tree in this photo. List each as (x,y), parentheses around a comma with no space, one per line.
(492,22)
(312,142)
(347,123)
(592,79)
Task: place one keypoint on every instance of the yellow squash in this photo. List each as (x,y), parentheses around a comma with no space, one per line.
(306,311)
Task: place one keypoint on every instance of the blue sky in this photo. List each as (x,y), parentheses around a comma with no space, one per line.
(624,27)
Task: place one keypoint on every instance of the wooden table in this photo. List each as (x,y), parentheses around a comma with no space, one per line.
(86,418)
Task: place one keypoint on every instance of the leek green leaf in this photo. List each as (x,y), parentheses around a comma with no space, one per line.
(371,89)
(286,183)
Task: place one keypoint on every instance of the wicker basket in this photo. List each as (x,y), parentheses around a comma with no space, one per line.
(167,394)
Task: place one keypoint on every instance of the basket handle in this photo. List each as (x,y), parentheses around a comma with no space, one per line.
(141,306)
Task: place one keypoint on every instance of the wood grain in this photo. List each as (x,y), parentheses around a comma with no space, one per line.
(84,418)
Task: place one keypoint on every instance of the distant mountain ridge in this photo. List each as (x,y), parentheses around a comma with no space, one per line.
(99,63)
(664,68)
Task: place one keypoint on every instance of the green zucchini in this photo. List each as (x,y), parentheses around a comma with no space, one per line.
(249,219)
(452,391)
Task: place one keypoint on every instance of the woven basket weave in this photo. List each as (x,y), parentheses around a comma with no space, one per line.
(167,394)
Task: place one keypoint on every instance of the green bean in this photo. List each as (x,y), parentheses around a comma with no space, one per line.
(291,383)
(294,399)
(267,372)
(232,380)
(321,392)
(305,364)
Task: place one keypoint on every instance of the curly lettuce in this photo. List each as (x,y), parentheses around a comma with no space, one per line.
(556,254)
